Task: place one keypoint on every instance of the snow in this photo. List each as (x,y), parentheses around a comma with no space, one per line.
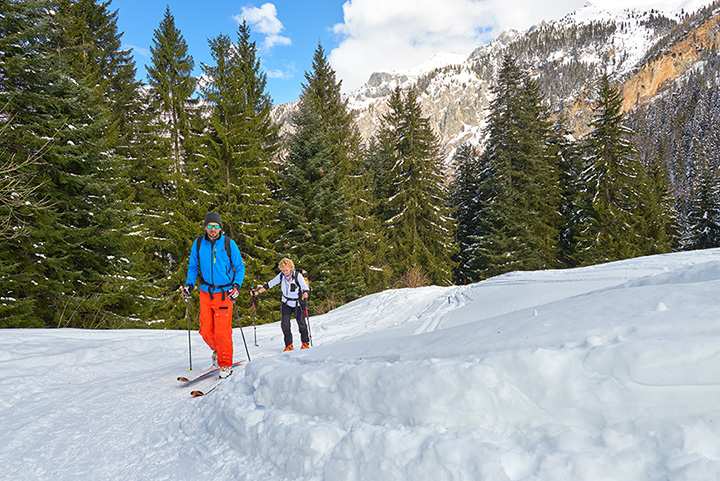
(609,372)
(437,60)
(668,7)
(633,41)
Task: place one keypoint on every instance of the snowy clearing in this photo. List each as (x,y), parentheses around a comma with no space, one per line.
(608,372)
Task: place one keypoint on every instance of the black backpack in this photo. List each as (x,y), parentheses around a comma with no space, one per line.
(294,278)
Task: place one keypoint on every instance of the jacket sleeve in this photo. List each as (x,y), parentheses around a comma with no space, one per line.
(274,281)
(237,263)
(192,271)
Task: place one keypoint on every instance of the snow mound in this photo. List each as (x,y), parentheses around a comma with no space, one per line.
(685,275)
(582,377)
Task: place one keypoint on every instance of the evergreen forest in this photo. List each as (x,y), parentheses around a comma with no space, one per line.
(105,179)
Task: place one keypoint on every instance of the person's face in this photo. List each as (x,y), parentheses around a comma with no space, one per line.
(286,270)
(213,230)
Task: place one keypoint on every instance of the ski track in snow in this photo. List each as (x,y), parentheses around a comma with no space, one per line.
(608,372)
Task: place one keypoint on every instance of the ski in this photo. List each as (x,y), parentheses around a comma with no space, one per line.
(198,392)
(203,375)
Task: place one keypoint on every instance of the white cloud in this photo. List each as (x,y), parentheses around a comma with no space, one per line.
(278,73)
(397,35)
(145,52)
(265,20)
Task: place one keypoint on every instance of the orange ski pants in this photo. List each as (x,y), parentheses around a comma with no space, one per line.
(216,325)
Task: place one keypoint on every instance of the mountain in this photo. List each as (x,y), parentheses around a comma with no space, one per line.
(673,100)
(645,50)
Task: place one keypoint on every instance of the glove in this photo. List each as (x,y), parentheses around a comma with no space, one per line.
(185,291)
(234,293)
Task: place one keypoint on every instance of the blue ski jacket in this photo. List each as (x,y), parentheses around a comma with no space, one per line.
(211,262)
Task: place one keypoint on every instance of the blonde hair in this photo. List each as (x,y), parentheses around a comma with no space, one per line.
(286,262)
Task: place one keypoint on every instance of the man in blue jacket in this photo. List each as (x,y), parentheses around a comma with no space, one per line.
(217,260)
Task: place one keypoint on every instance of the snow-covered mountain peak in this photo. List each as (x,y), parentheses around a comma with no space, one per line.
(669,8)
(380,84)
(438,60)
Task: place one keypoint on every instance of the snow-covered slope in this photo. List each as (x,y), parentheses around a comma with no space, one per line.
(609,372)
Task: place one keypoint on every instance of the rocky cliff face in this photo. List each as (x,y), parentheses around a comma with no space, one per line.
(678,56)
(687,46)
(644,50)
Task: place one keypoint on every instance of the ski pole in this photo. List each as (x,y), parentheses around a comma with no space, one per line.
(253,306)
(246,348)
(187,317)
(306,313)
(243,337)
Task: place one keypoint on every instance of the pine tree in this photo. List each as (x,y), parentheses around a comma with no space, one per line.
(519,228)
(386,152)
(171,84)
(421,231)
(68,267)
(241,148)
(165,214)
(611,224)
(570,167)
(658,209)
(466,200)
(536,179)
(702,222)
(324,197)
(91,48)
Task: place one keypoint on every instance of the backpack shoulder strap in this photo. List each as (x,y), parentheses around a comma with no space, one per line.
(198,240)
(297,273)
(228,251)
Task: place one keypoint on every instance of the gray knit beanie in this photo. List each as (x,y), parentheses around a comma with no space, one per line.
(212,217)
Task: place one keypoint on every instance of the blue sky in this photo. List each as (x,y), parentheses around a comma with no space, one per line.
(304,24)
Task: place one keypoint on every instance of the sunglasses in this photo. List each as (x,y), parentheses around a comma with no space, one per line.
(214,226)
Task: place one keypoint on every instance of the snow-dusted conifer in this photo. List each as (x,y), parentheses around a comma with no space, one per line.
(701,229)
(520,223)
(611,224)
(467,203)
(570,168)
(420,229)
(165,211)
(324,194)
(58,89)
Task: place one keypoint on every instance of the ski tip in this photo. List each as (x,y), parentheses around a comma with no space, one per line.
(196,393)
(183,379)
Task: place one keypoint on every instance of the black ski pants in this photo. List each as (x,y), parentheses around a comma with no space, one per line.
(285,313)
